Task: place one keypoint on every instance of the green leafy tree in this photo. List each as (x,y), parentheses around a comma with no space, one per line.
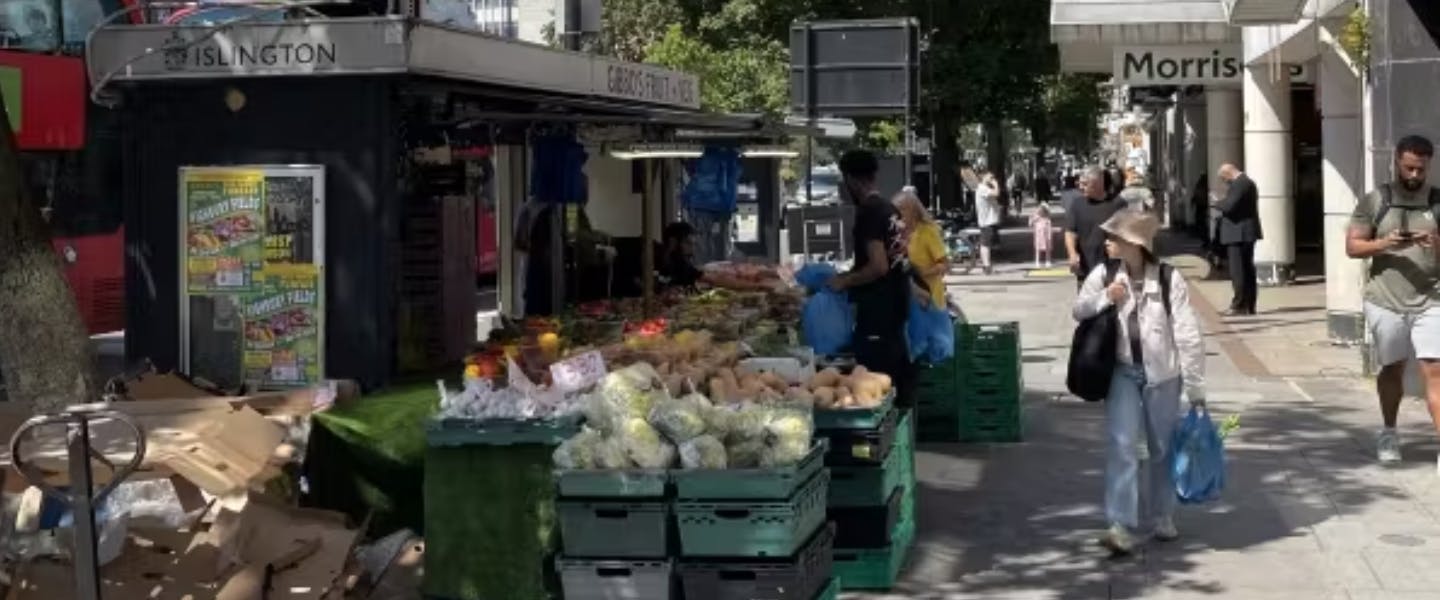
(752,77)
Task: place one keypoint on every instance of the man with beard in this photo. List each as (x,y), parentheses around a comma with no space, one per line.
(1395,227)
(879,284)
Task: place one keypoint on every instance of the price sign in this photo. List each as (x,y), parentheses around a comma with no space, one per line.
(578,372)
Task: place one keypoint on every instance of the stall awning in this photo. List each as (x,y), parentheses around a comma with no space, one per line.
(376,46)
(1264,12)
(1087,31)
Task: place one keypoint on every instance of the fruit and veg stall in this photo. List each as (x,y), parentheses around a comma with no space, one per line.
(697,451)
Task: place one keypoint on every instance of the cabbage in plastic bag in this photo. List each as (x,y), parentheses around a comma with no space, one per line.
(644,445)
(746,454)
(704,452)
(679,419)
(785,452)
(602,414)
(748,423)
(790,426)
(611,454)
(578,452)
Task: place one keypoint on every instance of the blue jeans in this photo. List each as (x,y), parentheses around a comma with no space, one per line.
(1134,409)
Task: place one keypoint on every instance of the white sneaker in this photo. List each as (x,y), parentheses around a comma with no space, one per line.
(1387,446)
(1165,530)
(1117,540)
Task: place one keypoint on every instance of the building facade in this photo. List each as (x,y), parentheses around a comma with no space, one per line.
(1286,90)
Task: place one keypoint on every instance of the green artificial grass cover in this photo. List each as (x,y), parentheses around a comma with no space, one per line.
(491,515)
(367,458)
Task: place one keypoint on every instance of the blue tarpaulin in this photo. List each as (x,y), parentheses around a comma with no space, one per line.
(558,170)
(714,181)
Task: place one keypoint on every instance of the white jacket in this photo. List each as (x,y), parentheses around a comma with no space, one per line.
(1173,345)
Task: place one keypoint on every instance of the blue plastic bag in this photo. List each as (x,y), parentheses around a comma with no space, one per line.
(1198,458)
(929,333)
(827,322)
(815,276)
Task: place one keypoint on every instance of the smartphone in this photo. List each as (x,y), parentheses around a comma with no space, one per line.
(1407,235)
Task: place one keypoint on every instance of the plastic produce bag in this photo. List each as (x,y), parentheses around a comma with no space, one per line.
(1198,461)
(680,419)
(578,452)
(815,276)
(704,452)
(930,333)
(827,322)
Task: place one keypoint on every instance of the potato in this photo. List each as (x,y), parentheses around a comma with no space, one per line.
(885,382)
(824,396)
(799,395)
(828,378)
(864,400)
(774,381)
(859,371)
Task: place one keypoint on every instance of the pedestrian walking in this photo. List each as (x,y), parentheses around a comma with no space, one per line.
(1160,360)
(1084,240)
(1137,194)
(987,218)
(1239,230)
(1043,230)
(1394,227)
(879,284)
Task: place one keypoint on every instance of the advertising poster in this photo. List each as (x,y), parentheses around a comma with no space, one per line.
(249,248)
(224,227)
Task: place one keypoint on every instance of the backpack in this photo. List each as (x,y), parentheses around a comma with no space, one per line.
(1093,346)
(1386,193)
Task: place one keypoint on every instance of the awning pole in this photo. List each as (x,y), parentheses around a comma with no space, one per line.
(647,245)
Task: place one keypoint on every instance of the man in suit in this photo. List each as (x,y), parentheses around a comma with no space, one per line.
(1239,230)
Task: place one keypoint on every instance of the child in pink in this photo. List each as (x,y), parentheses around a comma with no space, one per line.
(1043,230)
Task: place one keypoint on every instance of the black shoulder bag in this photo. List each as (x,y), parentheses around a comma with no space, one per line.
(1094,348)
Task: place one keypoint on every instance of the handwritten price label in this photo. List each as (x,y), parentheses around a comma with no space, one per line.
(578,372)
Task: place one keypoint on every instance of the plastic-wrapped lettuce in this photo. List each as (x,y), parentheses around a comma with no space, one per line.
(746,454)
(611,454)
(580,451)
(790,425)
(748,423)
(680,419)
(703,452)
(784,452)
(644,445)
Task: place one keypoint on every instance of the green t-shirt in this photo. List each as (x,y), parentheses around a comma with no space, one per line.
(1402,280)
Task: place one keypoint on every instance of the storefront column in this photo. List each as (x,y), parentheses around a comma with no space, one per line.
(1344,177)
(1195,165)
(1269,163)
(1224,124)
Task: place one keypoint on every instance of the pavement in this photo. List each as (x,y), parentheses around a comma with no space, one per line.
(1307,513)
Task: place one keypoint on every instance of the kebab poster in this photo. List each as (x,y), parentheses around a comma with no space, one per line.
(282,333)
(224,230)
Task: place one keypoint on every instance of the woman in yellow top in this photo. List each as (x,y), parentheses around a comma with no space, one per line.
(927,246)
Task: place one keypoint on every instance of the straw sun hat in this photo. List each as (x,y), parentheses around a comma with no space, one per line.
(1134,226)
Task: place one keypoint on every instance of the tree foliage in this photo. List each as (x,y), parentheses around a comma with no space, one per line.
(753,77)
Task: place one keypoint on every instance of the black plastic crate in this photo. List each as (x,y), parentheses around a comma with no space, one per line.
(616,579)
(595,529)
(861,446)
(800,577)
(867,526)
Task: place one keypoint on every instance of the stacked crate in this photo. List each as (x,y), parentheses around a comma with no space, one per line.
(884,493)
(731,534)
(756,533)
(991,382)
(617,537)
(975,396)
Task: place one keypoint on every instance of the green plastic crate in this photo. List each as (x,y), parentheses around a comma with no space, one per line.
(500,432)
(988,337)
(614,529)
(855,418)
(868,485)
(752,529)
(831,590)
(875,569)
(775,483)
(627,483)
(992,424)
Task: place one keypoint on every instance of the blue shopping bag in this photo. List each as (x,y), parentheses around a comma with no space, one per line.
(815,276)
(1198,458)
(930,333)
(827,322)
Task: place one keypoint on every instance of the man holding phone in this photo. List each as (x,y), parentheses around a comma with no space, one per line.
(1395,227)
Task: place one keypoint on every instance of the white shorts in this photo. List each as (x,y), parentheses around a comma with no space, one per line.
(1396,334)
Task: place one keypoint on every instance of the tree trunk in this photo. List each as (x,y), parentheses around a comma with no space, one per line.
(997,160)
(946,165)
(45,355)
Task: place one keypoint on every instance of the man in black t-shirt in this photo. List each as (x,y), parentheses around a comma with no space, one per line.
(879,284)
(1084,240)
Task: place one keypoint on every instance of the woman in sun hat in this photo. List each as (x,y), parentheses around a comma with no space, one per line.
(1160,357)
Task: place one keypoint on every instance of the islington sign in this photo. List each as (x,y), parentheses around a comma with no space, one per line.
(1186,65)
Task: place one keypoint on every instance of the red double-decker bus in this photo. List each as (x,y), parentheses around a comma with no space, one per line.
(69,148)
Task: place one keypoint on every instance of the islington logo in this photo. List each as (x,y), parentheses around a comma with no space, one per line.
(1178,65)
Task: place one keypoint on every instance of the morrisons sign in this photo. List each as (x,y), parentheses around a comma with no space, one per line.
(1142,66)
